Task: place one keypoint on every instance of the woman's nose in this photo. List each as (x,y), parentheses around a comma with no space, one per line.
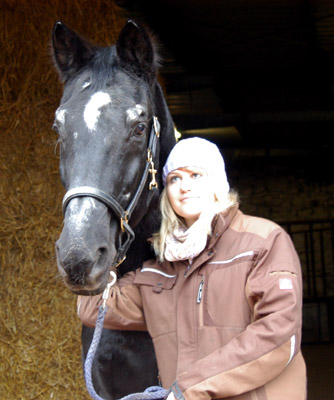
(185,185)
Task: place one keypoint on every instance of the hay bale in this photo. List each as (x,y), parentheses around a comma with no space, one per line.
(39,330)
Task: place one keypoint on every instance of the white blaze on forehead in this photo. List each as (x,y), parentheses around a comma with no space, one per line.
(134,112)
(92,109)
(60,115)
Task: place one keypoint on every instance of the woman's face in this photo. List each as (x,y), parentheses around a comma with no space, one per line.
(189,192)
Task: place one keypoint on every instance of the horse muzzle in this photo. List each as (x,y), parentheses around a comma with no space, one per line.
(85,250)
(81,269)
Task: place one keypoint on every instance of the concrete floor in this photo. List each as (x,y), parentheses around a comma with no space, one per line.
(320,371)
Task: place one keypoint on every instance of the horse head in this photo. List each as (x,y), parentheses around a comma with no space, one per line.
(114,131)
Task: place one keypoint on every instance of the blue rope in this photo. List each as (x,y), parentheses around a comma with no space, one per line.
(151,393)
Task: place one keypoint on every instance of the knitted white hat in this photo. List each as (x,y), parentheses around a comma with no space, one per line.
(197,152)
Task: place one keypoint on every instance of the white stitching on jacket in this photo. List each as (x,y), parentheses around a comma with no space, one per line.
(246,253)
(156,271)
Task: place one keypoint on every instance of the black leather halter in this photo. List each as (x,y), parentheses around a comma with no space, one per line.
(111,202)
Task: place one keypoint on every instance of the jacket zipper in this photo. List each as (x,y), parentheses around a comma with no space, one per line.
(200,291)
(199,301)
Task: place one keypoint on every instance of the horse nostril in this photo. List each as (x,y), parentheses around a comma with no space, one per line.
(102,255)
(75,259)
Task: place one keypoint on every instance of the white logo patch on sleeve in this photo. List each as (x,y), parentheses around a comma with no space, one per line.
(285,284)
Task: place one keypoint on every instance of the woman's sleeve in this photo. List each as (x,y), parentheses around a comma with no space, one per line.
(268,345)
(124,307)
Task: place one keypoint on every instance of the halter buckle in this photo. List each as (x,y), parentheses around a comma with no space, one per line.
(124,218)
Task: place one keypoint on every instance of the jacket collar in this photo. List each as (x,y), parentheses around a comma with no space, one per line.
(220,223)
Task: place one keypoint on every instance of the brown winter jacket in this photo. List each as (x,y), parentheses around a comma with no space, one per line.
(227,327)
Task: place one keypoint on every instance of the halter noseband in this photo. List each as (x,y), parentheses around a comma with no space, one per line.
(111,202)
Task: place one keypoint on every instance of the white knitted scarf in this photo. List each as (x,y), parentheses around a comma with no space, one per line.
(186,243)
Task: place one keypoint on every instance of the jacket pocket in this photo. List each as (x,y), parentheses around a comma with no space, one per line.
(224,303)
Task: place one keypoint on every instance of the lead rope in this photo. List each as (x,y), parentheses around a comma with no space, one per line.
(151,393)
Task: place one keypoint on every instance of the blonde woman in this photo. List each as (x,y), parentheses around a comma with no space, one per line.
(222,301)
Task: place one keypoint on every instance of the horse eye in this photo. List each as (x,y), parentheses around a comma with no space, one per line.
(140,129)
(55,128)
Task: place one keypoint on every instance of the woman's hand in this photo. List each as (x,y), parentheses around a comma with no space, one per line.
(170,396)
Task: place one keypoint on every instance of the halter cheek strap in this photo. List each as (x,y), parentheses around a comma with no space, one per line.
(111,202)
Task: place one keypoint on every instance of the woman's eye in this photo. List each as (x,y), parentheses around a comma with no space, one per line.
(196,175)
(173,179)
(140,129)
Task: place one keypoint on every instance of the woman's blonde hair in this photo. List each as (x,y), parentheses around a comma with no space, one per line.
(171,221)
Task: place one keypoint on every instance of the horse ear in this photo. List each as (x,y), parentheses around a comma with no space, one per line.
(70,51)
(136,51)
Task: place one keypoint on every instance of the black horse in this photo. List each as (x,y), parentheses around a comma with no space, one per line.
(108,121)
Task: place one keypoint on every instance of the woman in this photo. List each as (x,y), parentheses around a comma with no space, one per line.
(223,300)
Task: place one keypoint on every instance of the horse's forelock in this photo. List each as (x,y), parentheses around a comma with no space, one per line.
(103,65)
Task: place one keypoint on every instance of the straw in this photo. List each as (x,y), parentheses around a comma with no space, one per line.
(40,351)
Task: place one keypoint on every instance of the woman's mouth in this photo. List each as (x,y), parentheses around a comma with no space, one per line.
(188,198)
